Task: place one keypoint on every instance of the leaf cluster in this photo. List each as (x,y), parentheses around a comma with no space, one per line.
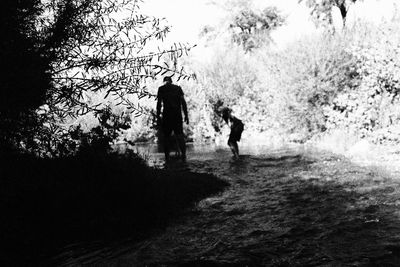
(371,108)
(100,46)
(251,28)
(321,10)
(58,53)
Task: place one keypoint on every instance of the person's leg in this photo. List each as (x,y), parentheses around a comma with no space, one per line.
(234,148)
(177,146)
(234,137)
(182,146)
(167,137)
(178,130)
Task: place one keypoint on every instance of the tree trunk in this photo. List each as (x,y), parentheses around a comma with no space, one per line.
(343,12)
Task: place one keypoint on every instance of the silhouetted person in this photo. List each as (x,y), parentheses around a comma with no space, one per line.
(237,127)
(170,97)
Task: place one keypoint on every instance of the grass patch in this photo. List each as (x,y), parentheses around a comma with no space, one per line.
(47,203)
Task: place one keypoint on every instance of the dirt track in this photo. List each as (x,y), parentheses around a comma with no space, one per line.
(283,208)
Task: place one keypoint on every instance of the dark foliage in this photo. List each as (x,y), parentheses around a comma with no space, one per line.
(48,203)
(56,53)
(25,75)
(99,139)
(25,71)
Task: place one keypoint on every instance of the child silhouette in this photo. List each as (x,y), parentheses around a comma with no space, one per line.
(236,126)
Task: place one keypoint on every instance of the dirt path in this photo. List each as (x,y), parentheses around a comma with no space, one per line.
(282,209)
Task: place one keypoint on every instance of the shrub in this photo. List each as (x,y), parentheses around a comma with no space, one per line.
(370,108)
(308,73)
(322,82)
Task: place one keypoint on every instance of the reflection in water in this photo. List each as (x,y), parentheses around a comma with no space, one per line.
(155,156)
(286,207)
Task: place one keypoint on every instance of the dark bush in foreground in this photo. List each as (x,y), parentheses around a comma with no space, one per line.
(48,203)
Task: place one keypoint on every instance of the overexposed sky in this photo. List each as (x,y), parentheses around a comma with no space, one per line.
(187,17)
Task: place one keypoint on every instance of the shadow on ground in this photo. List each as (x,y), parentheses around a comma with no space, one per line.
(87,204)
(283,210)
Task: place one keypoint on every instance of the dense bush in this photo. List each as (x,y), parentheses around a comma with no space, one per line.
(279,91)
(319,83)
(232,78)
(371,107)
(309,73)
(349,80)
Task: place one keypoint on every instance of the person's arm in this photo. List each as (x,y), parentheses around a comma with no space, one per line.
(159,103)
(184,107)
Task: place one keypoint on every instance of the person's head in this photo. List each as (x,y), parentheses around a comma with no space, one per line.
(225,113)
(167,79)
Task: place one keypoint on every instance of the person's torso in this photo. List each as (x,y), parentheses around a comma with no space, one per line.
(171,96)
(235,123)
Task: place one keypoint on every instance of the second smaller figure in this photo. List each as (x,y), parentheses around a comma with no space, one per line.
(236,126)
